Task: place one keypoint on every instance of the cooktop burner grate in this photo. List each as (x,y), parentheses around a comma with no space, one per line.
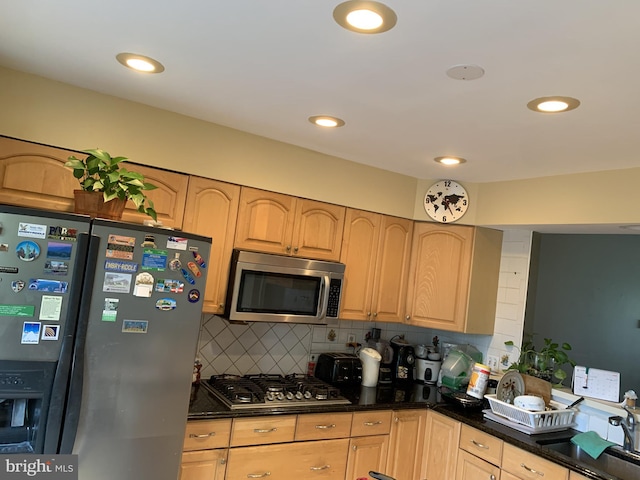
(272,390)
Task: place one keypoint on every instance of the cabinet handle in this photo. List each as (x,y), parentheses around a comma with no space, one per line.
(407,317)
(375,314)
(368,314)
(355,447)
(532,470)
(396,419)
(372,424)
(204,435)
(492,477)
(295,249)
(288,248)
(258,475)
(324,427)
(479,445)
(324,467)
(265,430)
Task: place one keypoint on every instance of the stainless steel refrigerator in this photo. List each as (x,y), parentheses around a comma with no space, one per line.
(99,322)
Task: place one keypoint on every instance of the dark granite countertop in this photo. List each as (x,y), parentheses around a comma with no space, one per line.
(203,405)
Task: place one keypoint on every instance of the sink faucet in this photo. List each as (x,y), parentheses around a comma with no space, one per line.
(628,427)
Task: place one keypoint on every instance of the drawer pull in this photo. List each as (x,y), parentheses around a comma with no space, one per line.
(265,430)
(324,467)
(372,424)
(532,470)
(479,445)
(204,435)
(325,427)
(258,475)
(492,477)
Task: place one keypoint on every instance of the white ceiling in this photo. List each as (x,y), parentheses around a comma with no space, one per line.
(265,66)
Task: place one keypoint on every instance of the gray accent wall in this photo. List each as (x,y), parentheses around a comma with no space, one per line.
(585,290)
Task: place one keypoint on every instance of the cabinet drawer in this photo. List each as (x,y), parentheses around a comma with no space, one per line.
(206,434)
(323,426)
(481,444)
(528,466)
(256,431)
(371,423)
(325,459)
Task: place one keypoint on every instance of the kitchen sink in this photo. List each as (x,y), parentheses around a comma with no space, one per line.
(613,460)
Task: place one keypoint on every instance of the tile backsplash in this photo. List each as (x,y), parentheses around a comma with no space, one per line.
(284,348)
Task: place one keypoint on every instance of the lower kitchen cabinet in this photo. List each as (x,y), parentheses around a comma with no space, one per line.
(323,459)
(406,444)
(470,467)
(527,466)
(441,447)
(576,476)
(204,465)
(366,454)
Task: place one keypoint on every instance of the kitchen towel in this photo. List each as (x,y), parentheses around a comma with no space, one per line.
(591,442)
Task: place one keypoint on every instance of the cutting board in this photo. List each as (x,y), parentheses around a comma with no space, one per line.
(537,386)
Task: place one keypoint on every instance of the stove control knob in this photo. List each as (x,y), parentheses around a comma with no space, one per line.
(280,396)
(290,396)
(307,394)
(269,396)
(299,396)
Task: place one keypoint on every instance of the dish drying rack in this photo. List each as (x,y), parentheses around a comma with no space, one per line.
(557,419)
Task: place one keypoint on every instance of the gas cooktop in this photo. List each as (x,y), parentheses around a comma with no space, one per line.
(273,391)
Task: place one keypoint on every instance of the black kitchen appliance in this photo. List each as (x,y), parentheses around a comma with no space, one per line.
(403,362)
(340,369)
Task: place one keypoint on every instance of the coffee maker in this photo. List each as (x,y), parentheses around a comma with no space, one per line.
(403,362)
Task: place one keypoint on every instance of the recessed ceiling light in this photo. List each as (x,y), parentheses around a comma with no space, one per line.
(553,104)
(449,160)
(363,16)
(326,121)
(140,63)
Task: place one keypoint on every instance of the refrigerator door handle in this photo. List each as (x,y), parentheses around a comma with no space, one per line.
(74,398)
(61,378)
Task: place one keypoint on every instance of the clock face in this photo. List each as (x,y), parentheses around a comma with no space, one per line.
(446,201)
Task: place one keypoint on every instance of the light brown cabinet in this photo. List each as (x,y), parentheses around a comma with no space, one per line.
(442,438)
(212,210)
(276,223)
(527,466)
(470,467)
(376,251)
(34,175)
(453,278)
(479,455)
(366,454)
(205,450)
(406,444)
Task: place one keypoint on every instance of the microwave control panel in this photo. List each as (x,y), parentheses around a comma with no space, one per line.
(333,304)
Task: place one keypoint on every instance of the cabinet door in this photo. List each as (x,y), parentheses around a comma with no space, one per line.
(318,228)
(168,199)
(392,267)
(324,459)
(359,254)
(34,176)
(470,467)
(203,465)
(481,444)
(527,466)
(366,454)
(265,221)
(321,426)
(441,447)
(263,430)
(439,276)
(212,210)
(371,422)
(406,444)
(206,434)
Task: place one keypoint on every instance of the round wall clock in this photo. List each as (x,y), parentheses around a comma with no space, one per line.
(446,201)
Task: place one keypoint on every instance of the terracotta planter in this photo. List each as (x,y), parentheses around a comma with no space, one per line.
(92,204)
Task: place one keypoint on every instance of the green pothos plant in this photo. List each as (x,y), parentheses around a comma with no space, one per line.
(100,172)
(546,362)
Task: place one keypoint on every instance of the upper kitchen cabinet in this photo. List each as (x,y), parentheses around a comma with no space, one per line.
(453,278)
(376,251)
(212,211)
(277,223)
(34,176)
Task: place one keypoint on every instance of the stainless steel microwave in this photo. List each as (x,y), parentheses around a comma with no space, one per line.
(275,288)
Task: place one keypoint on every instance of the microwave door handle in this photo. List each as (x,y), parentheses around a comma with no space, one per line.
(324,297)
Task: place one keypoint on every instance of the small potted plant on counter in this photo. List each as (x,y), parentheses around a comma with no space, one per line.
(544,363)
(106,185)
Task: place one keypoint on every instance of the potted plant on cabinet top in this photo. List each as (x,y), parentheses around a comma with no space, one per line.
(107,186)
(545,363)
